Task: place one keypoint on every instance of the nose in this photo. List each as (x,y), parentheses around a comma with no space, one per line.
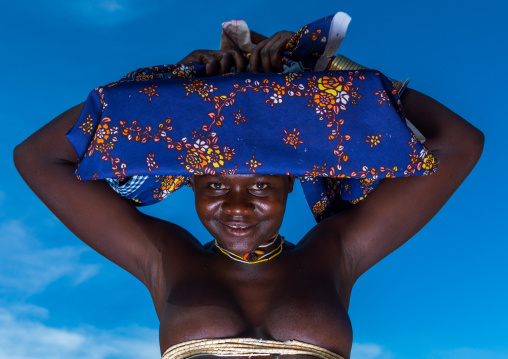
(237,204)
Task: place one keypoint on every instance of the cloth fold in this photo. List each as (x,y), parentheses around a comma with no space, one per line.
(339,132)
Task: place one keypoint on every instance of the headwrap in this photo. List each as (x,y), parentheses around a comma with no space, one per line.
(339,132)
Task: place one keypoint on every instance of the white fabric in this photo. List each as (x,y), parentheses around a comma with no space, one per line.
(235,33)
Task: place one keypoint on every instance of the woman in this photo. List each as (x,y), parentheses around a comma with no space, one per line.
(296,292)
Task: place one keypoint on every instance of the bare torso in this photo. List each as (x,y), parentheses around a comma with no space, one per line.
(293,296)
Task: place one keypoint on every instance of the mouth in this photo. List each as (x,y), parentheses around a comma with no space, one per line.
(238,229)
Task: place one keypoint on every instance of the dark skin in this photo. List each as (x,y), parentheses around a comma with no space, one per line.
(265,57)
(242,210)
(301,294)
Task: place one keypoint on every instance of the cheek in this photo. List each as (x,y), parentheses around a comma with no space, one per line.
(274,208)
(206,207)
(271,208)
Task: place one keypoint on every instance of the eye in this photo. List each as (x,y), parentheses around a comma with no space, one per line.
(259,186)
(217,186)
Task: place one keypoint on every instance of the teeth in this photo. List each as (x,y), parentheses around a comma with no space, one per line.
(242,227)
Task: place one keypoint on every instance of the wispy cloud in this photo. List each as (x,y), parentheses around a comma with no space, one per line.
(108,12)
(28,267)
(111,5)
(369,351)
(24,339)
(471,353)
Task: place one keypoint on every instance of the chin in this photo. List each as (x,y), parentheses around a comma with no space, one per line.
(238,246)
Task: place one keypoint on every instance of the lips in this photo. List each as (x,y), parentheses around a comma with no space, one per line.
(238,229)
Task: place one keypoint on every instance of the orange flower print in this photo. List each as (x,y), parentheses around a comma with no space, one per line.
(150,91)
(327,82)
(182,72)
(324,99)
(331,85)
(195,159)
(228,153)
(172,183)
(292,139)
(102,133)
(319,207)
(168,185)
(366,182)
(279,90)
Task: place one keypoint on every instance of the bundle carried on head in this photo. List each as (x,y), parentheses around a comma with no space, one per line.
(339,132)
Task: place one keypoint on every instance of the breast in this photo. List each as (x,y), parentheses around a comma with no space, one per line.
(310,310)
(200,308)
(268,302)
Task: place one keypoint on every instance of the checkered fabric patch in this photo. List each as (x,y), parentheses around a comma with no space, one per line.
(128,188)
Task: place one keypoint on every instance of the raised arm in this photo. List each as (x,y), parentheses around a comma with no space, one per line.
(102,219)
(398,208)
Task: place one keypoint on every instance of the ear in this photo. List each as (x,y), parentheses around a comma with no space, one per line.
(291,183)
(191,181)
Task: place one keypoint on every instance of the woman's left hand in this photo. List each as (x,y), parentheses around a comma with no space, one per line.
(218,62)
(267,55)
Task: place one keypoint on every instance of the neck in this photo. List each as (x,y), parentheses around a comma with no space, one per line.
(263,253)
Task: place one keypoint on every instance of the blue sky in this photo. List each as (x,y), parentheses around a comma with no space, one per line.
(442,295)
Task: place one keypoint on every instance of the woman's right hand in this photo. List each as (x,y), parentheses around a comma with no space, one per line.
(218,62)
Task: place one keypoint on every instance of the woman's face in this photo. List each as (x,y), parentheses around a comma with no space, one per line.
(241,211)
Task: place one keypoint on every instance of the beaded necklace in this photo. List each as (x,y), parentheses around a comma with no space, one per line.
(264,256)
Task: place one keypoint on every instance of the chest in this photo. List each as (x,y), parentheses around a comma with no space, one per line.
(279,301)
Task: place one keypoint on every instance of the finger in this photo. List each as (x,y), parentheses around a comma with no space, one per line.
(226,61)
(276,53)
(240,62)
(206,58)
(277,48)
(267,52)
(212,65)
(255,57)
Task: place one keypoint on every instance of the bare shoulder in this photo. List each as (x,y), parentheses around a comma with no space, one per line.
(98,216)
(399,207)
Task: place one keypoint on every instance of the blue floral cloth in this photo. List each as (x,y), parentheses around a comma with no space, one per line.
(339,132)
